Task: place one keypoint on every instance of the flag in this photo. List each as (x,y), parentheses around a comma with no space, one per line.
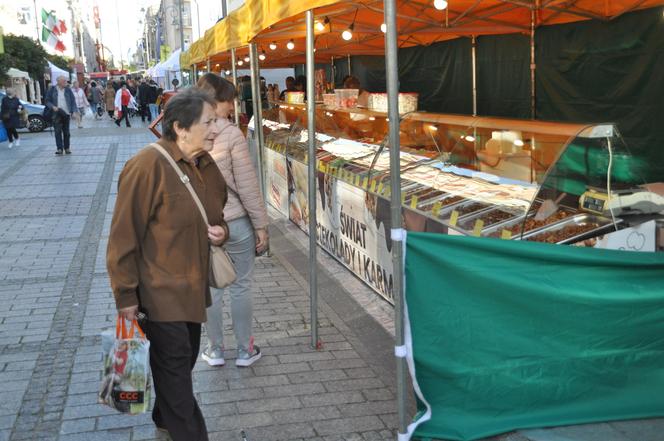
(48,19)
(52,29)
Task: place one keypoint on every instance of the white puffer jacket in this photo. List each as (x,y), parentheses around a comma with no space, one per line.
(231,153)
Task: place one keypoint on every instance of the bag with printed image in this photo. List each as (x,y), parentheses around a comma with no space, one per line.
(126,381)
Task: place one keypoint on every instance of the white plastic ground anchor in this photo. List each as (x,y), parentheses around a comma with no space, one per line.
(400,351)
(403,437)
(398,234)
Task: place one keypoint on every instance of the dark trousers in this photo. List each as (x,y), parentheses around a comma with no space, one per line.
(61,129)
(173,352)
(12,134)
(125,116)
(145,113)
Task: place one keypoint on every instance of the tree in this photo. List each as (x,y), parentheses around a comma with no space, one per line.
(27,54)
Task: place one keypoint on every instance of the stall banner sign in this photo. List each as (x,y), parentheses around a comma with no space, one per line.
(276,180)
(504,335)
(352,225)
(298,194)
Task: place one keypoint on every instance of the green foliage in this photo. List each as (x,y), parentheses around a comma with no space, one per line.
(27,54)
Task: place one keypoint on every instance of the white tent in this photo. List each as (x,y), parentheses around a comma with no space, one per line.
(56,72)
(172,63)
(16,73)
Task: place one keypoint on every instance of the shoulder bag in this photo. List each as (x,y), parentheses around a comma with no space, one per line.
(222,271)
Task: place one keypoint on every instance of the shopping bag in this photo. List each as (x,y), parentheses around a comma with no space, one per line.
(126,381)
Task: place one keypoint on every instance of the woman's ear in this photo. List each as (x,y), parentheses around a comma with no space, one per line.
(178,130)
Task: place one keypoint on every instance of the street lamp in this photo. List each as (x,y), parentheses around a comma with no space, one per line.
(150,23)
(176,13)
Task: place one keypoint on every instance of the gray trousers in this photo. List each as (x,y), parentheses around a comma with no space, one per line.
(241,247)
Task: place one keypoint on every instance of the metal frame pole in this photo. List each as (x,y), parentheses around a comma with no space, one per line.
(533,66)
(209,65)
(474,59)
(236,110)
(312,177)
(258,112)
(392,68)
(181,28)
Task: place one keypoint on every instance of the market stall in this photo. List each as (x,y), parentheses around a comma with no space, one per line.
(462,175)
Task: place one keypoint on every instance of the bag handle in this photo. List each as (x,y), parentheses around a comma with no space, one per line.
(121,329)
(184,178)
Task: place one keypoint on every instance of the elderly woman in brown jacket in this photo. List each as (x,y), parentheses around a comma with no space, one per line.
(247,221)
(158,253)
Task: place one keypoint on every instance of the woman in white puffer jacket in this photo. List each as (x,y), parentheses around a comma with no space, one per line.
(247,221)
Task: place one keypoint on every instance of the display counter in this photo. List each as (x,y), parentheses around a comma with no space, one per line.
(491,177)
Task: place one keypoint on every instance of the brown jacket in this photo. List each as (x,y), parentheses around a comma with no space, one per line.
(109,98)
(231,153)
(158,249)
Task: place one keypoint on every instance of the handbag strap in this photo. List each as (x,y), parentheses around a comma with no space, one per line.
(184,178)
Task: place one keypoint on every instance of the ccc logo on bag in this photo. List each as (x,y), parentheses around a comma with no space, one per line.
(128,396)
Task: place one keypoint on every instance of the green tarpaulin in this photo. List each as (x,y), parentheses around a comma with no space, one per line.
(505,335)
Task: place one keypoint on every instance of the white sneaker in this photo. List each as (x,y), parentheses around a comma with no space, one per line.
(214,356)
(11,144)
(17,142)
(247,359)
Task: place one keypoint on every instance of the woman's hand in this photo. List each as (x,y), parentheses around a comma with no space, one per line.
(261,240)
(129,313)
(216,234)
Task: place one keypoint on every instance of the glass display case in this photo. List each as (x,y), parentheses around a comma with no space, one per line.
(492,177)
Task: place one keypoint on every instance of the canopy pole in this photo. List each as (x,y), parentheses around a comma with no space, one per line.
(533,66)
(312,177)
(349,71)
(209,65)
(258,113)
(474,58)
(392,68)
(236,107)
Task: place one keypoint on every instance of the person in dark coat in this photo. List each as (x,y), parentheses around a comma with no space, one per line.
(143,99)
(62,104)
(11,117)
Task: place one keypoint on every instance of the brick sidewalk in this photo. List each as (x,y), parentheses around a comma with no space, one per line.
(55,214)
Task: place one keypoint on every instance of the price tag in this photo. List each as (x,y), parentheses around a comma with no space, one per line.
(413,202)
(403,198)
(381,187)
(365,183)
(477,230)
(388,191)
(357,180)
(373,185)
(454,218)
(436,208)
(506,234)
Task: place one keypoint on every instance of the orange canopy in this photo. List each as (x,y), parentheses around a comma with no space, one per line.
(419,23)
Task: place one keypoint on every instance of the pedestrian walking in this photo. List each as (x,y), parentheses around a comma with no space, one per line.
(62,105)
(247,220)
(152,100)
(81,103)
(109,99)
(158,254)
(143,100)
(124,100)
(96,98)
(10,111)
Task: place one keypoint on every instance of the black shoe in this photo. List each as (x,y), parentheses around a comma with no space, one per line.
(128,125)
(58,152)
(117,123)
(67,151)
